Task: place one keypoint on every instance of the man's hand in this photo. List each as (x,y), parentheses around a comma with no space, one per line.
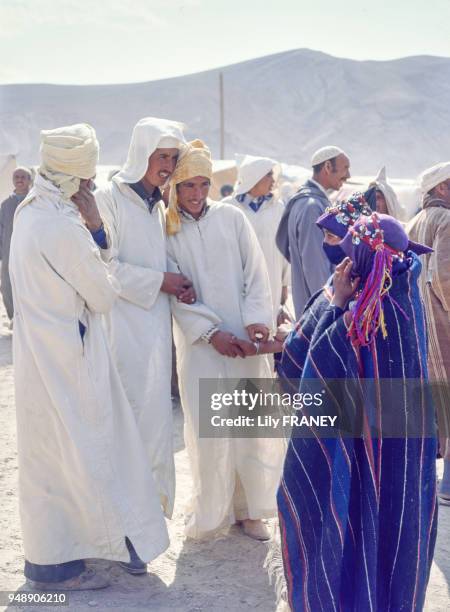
(248,348)
(258,331)
(188,296)
(85,201)
(283,316)
(176,284)
(225,344)
(281,334)
(343,285)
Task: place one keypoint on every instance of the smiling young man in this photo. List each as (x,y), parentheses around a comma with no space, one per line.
(298,237)
(139,324)
(213,244)
(22,182)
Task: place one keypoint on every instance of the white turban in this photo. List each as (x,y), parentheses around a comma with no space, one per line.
(431,177)
(251,170)
(69,154)
(195,160)
(148,134)
(325,153)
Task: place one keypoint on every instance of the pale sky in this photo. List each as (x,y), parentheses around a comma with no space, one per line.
(119,41)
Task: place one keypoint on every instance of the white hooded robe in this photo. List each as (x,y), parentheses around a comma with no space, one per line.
(139,324)
(265,222)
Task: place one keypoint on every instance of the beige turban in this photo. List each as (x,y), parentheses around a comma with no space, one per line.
(433,176)
(69,154)
(194,160)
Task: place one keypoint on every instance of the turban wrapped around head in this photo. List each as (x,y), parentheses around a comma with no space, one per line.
(69,154)
(431,177)
(194,160)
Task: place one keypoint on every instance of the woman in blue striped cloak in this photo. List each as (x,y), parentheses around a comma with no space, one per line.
(358,514)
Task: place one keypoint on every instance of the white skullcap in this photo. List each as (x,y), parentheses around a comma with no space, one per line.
(251,170)
(324,154)
(433,176)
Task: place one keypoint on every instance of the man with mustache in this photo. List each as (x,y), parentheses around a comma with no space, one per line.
(298,237)
(139,324)
(22,183)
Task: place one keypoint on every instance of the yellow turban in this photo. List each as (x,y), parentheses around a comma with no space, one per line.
(69,154)
(194,160)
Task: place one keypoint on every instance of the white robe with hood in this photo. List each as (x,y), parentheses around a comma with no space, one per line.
(84,481)
(393,205)
(139,324)
(265,222)
(232,478)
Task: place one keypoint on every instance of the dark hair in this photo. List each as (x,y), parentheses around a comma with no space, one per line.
(226,190)
(318,167)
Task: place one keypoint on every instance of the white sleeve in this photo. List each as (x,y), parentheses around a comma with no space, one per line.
(194,320)
(257,294)
(139,285)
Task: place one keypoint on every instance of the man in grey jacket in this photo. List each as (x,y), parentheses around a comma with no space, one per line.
(298,237)
(22,183)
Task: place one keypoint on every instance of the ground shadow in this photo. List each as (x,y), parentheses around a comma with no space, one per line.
(224,574)
(140,593)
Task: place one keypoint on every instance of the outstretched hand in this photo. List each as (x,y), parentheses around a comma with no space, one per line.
(227,344)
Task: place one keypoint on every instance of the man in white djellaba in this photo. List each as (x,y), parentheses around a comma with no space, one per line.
(253,194)
(85,487)
(214,245)
(139,324)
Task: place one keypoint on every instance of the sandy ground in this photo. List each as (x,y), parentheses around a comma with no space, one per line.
(225,574)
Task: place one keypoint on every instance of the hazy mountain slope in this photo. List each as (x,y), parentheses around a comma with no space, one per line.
(286,105)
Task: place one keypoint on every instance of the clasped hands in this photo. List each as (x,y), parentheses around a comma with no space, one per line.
(180,286)
(229,345)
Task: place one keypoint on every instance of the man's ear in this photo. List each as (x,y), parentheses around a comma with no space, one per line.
(328,167)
